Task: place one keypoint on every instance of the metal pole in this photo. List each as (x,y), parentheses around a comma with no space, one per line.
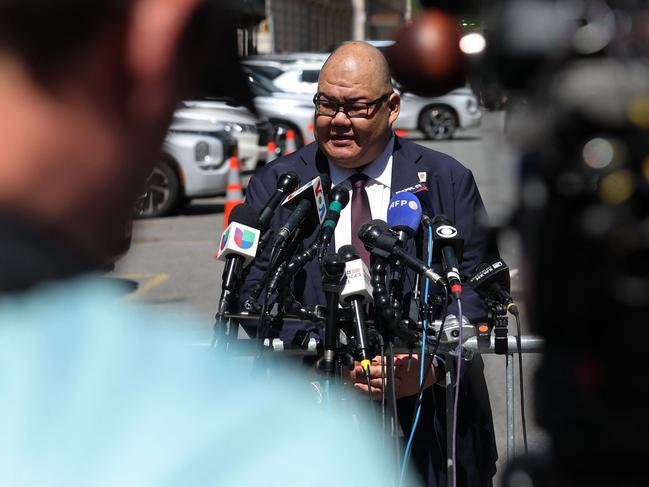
(450,403)
(511,444)
(271,25)
(360,20)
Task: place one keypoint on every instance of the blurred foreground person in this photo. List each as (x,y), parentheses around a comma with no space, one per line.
(95,391)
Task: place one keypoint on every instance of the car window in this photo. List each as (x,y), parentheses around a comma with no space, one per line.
(264,82)
(269,72)
(257,89)
(310,75)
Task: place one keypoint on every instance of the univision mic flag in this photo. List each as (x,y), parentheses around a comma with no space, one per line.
(240,240)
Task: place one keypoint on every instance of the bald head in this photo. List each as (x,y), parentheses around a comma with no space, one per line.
(358,60)
(360,105)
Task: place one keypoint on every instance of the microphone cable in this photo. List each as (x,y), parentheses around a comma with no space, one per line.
(423,375)
(520,374)
(422,357)
(458,372)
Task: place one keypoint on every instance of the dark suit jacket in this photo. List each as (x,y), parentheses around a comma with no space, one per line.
(451,191)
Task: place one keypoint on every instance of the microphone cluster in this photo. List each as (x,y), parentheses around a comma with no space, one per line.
(352,288)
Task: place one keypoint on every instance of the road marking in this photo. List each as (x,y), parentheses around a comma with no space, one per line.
(152,281)
(175,243)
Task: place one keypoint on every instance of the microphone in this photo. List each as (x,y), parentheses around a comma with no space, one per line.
(333,269)
(240,239)
(307,202)
(404,215)
(492,281)
(356,291)
(286,184)
(378,239)
(419,190)
(338,199)
(448,247)
(237,249)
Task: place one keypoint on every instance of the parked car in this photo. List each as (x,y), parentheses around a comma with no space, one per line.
(436,118)
(285,111)
(297,76)
(225,117)
(192,164)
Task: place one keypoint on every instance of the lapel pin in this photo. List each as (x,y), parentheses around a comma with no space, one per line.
(422,177)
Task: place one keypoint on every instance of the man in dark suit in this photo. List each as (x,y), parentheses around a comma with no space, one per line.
(355,110)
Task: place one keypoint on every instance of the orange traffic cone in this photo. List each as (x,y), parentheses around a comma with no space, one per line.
(271,151)
(234,195)
(290,142)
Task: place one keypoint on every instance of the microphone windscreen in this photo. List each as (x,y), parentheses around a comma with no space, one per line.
(341,194)
(288,182)
(246,215)
(348,252)
(404,213)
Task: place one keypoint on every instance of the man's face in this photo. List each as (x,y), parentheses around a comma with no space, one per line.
(354,142)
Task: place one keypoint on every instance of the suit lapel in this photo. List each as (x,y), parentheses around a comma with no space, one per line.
(310,170)
(405,163)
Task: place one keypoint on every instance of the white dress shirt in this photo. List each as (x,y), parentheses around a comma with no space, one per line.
(378,190)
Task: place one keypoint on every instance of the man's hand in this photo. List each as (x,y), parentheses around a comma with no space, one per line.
(406,376)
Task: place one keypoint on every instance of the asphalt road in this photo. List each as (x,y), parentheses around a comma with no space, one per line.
(172,261)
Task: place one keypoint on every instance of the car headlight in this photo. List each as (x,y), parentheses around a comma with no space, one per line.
(472,105)
(202,151)
(232,127)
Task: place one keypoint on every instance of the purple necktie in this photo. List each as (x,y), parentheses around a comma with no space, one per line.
(361,213)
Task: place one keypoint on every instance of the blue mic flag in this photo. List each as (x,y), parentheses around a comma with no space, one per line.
(404,213)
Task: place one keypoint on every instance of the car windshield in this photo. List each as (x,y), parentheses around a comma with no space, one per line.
(260,83)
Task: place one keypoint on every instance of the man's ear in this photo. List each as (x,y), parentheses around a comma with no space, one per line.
(394,104)
(155,32)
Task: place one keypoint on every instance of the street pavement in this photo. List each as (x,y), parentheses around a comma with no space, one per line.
(172,262)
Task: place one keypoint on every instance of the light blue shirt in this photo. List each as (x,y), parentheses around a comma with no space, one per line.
(96,391)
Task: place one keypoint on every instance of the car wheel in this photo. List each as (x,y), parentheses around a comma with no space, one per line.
(438,123)
(280,130)
(162,193)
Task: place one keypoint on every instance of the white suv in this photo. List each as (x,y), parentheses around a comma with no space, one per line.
(193,164)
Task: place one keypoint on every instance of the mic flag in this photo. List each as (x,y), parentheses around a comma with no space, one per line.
(446,236)
(313,191)
(240,238)
(404,213)
(358,282)
(493,281)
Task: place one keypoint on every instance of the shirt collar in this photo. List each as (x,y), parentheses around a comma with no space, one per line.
(379,170)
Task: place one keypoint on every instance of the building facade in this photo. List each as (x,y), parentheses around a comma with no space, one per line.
(310,25)
(318,25)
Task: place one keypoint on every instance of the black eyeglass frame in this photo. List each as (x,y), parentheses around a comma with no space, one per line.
(347,105)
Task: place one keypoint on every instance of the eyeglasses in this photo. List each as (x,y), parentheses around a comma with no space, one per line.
(353,109)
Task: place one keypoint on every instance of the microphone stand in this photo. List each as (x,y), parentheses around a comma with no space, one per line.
(333,270)
(222,327)
(265,329)
(385,316)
